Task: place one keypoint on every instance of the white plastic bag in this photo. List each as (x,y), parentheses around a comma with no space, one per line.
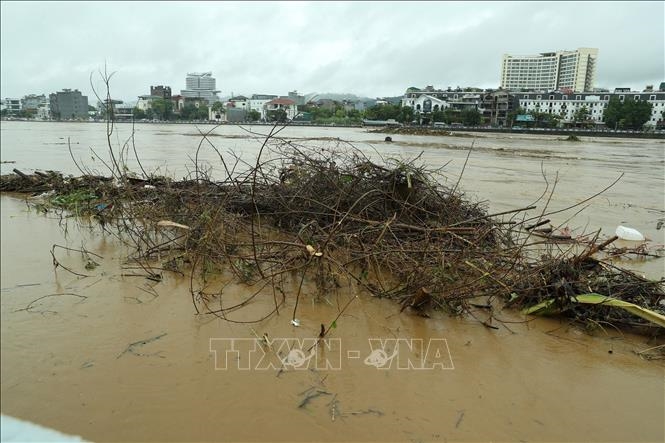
(630,234)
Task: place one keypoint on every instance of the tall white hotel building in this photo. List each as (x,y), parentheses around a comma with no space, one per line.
(550,71)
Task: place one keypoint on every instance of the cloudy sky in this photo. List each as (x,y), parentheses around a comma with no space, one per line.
(366,48)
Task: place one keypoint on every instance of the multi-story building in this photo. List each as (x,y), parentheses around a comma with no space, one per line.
(494,106)
(145,101)
(161,92)
(116,109)
(282,104)
(44,111)
(299,99)
(31,102)
(550,71)
(498,106)
(68,105)
(11,105)
(565,105)
(201,86)
(258,101)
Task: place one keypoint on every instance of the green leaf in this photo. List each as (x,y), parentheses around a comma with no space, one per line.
(334,324)
(545,307)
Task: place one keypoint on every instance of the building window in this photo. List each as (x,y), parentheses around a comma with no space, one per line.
(652,97)
(621,97)
(607,97)
(637,98)
(565,97)
(578,97)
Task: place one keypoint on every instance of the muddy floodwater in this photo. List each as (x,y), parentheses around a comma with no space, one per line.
(116,357)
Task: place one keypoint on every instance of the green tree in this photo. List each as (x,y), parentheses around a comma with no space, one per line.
(581,115)
(218,107)
(612,113)
(470,117)
(202,113)
(512,115)
(139,114)
(545,119)
(406,115)
(192,112)
(451,116)
(383,112)
(253,115)
(162,109)
(354,114)
(27,113)
(438,116)
(188,112)
(636,113)
(277,115)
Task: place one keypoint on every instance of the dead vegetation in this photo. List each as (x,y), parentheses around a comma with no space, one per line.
(421,130)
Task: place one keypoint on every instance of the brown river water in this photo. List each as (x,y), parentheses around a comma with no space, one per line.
(67,360)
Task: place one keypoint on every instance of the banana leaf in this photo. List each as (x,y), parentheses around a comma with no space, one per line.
(546,307)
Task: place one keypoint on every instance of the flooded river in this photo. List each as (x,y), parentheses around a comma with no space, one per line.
(120,358)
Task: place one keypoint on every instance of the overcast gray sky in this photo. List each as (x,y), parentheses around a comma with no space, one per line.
(366,48)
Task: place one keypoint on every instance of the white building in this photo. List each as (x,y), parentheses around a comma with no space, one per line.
(425,102)
(287,105)
(257,103)
(432,100)
(550,71)
(44,111)
(565,105)
(200,85)
(145,102)
(12,105)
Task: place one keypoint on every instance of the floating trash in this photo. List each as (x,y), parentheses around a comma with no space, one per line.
(630,234)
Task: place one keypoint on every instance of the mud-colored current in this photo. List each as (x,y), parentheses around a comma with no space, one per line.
(113,357)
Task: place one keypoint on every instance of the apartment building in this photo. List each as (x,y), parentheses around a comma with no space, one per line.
(11,105)
(550,71)
(494,106)
(68,105)
(32,101)
(565,104)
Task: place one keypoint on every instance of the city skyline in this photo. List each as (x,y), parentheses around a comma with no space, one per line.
(367,49)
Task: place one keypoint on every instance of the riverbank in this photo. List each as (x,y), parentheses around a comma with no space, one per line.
(413,130)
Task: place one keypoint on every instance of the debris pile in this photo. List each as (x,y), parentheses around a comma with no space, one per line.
(334,217)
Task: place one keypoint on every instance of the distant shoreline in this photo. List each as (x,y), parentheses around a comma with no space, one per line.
(421,130)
